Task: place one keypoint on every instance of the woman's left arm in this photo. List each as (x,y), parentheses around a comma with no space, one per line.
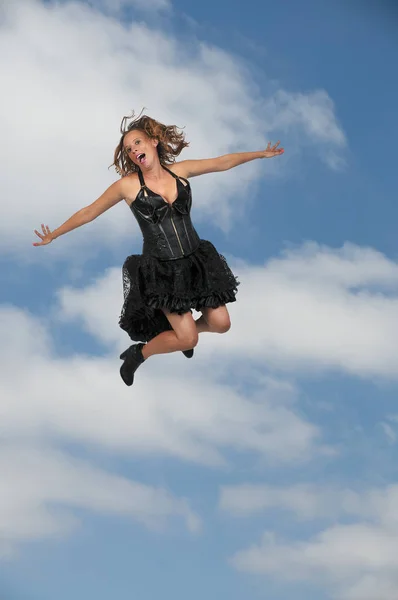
(192,168)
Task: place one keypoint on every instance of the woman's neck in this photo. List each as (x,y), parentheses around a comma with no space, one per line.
(155,172)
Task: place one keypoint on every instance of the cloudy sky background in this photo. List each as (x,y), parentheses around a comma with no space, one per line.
(267,464)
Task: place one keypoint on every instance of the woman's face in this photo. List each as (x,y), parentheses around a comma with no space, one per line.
(140,148)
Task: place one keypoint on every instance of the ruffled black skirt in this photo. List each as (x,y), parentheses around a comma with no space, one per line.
(202,279)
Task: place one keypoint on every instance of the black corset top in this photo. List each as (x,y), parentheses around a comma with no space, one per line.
(167,229)
(154,207)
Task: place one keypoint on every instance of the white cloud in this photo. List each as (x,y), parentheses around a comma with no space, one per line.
(171,411)
(96,307)
(306,501)
(314,113)
(312,308)
(322,308)
(389,432)
(353,559)
(335,553)
(341,559)
(41,490)
(75,72)
(116,7)
(370,587)
(311,501)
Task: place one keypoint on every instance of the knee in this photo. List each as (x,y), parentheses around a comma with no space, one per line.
(189,340)
(222,325)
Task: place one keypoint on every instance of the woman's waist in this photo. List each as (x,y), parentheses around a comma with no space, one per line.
(171,238)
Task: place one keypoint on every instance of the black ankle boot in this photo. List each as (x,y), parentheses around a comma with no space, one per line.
(188,353)
(132,358)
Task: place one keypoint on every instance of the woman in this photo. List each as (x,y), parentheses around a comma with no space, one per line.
(177,271)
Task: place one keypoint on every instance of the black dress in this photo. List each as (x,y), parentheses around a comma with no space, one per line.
(176,271)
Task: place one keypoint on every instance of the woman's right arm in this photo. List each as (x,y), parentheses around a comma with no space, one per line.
(114,194)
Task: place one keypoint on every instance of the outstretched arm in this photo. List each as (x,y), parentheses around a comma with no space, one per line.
(109,198)
(192,168)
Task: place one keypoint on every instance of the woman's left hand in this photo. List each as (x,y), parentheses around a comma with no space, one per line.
(272,151)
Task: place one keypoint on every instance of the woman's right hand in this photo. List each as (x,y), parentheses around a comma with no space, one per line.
(46,237)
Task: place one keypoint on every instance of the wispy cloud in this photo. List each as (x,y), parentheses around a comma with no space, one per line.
(48,399)
(64,147)
(163,421)
(355,559)
(116,7)
(77,69)
(314,115)
(42,489)
(305,501)
(320,308)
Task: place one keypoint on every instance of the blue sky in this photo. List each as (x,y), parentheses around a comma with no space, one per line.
(265,466)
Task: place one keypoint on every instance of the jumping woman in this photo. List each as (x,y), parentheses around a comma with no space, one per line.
(177,270)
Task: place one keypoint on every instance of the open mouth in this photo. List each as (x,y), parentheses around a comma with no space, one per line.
(141,157)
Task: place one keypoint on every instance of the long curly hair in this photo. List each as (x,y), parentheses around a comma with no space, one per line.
(171,142)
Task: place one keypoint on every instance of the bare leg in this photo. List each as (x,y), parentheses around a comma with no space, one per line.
(185,331)
(183,337)
(214,320)
(202,325)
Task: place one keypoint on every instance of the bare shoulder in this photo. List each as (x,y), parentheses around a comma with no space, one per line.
(180,168)
(130,186)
